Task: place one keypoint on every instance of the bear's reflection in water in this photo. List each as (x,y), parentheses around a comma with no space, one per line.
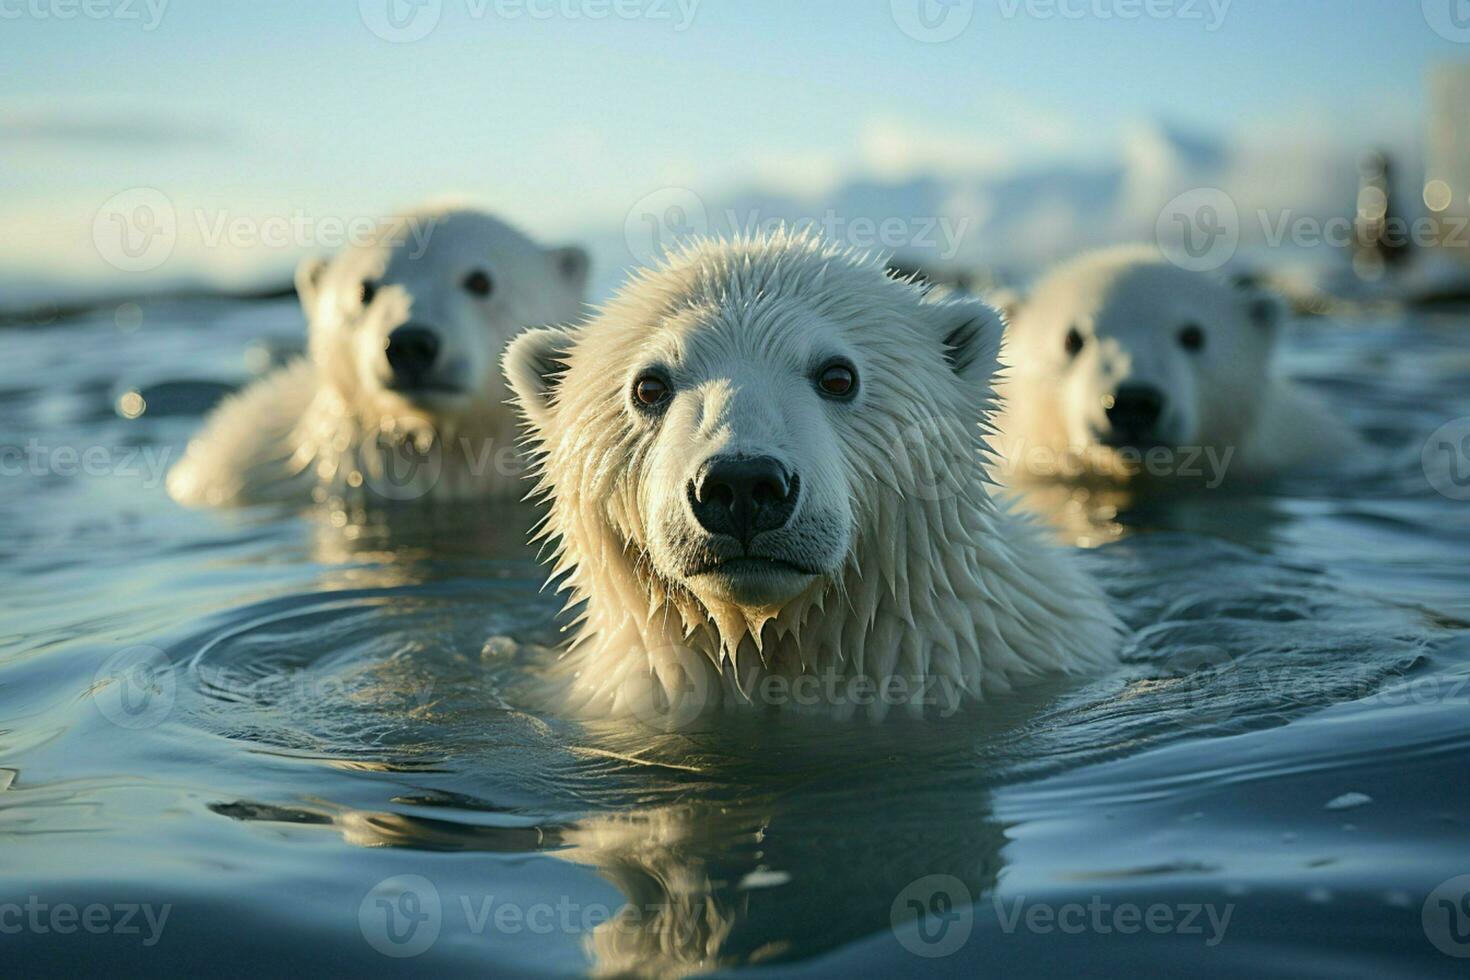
(1094,514)
(706,885)
(401,544)
(758,855)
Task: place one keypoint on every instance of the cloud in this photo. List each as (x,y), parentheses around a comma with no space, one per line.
(809,174)
(895,149)
(119,132)
(59,126)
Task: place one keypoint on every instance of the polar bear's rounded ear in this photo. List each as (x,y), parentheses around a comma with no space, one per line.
(572,265)
(1265,311)
(309,276)
(1264,307)
(969,333)
(535,363)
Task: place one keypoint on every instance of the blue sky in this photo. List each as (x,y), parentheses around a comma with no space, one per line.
(562,122)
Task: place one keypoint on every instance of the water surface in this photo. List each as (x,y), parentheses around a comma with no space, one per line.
(298,733)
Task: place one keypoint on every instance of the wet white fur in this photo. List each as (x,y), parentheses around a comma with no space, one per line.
(928,577)
(1129,305)
(325,424)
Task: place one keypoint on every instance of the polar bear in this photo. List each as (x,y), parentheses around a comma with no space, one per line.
(1120,364)
(765,484)
(401,391)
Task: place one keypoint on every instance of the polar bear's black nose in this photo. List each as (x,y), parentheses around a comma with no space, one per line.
(1134,412)
(411,353)
(743,495)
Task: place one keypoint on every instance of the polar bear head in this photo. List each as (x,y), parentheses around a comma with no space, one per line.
(1121,350)
(412,323)
(741,426)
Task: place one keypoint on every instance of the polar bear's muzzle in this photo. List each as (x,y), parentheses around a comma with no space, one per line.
(415,362)
(743,496)
(1135,414)
(746,535)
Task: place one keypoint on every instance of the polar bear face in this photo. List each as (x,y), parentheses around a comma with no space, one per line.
(1122,350)
(413,324)
(733,425)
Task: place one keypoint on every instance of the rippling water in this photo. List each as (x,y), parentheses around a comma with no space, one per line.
(290,739)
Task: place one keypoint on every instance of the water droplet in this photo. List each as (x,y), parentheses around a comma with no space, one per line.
(131,405)
(1438,195)
(128,317)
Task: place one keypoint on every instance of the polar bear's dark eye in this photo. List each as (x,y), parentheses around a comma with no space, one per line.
(838,380)
(478,283)
(651,390)
(1192,337)
(369,290)
(1075,342)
